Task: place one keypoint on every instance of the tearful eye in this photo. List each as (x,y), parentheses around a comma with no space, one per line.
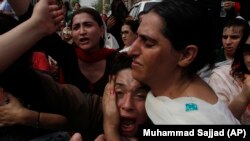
(119,94)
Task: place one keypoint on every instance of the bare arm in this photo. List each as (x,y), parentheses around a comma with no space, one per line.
(14,43)
(239,104)
(14,113)
(19,6)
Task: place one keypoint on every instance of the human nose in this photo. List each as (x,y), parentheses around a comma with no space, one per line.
(123,35)
(228,41)
(135,48)
(127,103)
(82,30)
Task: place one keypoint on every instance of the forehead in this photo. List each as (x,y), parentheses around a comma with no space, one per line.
(151,24)
(125,77)
(233,29)
(82,17)
(126,27)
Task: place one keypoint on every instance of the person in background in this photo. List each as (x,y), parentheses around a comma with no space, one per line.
(110,40)
(116,19)
(86,62)
(128,33)
(76,6)
(236,8)
(68,11)
(231,83)
(140,15)
(166,56)
(234,32)
(234,35)
(231,9)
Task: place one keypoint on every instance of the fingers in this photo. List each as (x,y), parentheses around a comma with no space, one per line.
(100,138)
(76,137)
(52,1)
(112,85)
(3,97)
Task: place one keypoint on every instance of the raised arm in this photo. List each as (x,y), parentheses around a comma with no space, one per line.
(44,21)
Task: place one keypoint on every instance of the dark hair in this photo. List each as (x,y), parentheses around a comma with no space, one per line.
(237,22)
(238,66)
(184,24)
(123,61)
(140,14)
(133,24)
(67,5)
(94,14)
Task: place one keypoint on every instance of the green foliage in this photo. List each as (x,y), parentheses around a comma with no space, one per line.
(99,6)
(73,2)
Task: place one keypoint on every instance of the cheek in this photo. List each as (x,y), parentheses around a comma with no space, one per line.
(119,103)
(141,113)
(74,34)
(247,58)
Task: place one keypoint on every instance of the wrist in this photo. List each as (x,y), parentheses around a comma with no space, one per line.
(37,125)
(30,118)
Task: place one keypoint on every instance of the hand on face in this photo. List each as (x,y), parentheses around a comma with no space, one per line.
(110,109)
(47,15)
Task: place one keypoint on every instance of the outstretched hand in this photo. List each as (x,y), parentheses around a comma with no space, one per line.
(48,14)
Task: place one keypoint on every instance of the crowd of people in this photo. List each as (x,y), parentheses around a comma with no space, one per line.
(160,71)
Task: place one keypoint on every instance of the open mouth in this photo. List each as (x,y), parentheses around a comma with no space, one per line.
(128,126)
(84,40)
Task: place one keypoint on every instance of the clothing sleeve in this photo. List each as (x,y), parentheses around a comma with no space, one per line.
(84,111)
(218,84)
(40,62)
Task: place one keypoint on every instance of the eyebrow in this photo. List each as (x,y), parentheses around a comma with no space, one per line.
(84,22)
(141,87)
(146,37)
(119,84)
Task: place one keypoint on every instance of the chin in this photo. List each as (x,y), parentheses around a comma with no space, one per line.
(128,134)
(137,75)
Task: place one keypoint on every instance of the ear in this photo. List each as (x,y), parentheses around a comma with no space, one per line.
(188,55)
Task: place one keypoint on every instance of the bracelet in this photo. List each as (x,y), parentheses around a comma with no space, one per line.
(38,121)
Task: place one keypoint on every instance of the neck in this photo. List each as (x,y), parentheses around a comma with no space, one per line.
(173,88)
